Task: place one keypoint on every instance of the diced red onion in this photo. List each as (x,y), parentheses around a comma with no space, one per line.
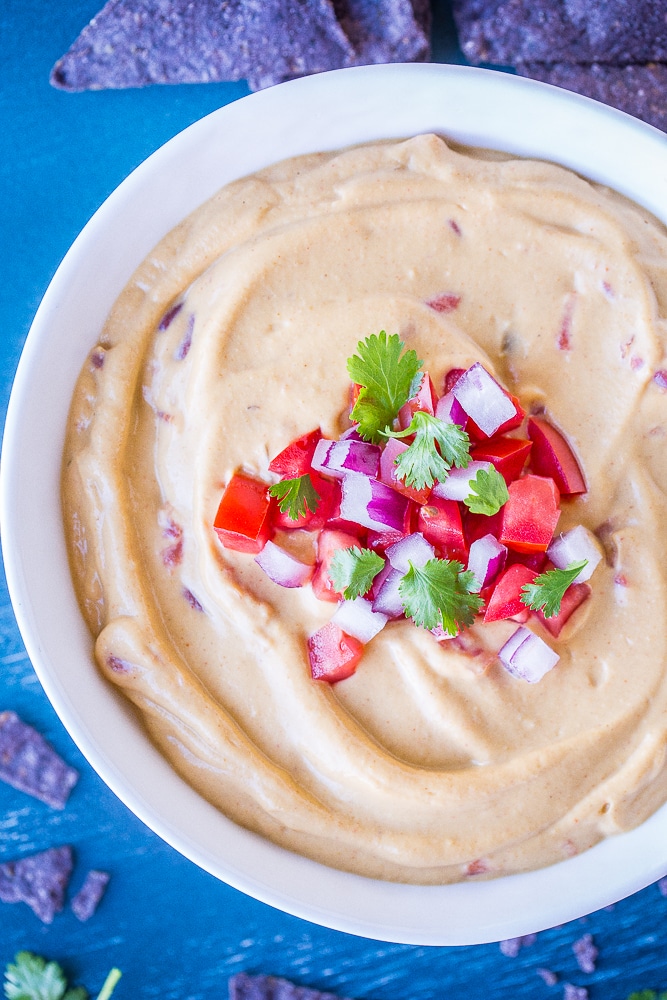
(457,484)
(283,568)
(449,410)
(486,560)
(372,504)
(483,399)
(572,547)
(526,656)
(351,434)
(321,455)
(412,549)
(357,618)
(342,457)
(388,601)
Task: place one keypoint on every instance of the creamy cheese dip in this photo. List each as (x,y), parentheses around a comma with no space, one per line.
(431,764)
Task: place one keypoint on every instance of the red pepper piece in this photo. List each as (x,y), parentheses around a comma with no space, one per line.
(439,521)
(333,654)
(424,400)
(329,494)
(553,456)
(243,522)
(328,544)
(574,597)
(531,514)
(294,460)
(507,455)
(505,600)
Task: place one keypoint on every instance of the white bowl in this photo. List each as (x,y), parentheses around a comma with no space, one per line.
(329,111)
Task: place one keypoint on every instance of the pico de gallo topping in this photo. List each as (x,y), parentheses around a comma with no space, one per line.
(428,507)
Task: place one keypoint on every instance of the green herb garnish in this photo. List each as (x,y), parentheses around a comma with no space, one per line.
(296,496)
(387,379)
(31,977)
(440,593)
(546,591)
(437,446)
(489,493)
(353,570)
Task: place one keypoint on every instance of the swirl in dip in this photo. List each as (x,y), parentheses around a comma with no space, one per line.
(430,764)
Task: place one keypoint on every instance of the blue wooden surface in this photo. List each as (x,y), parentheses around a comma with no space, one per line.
(176,932)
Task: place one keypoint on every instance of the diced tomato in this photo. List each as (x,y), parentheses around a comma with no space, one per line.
(533,560)
(478,434)
(390,453)
(329,494)
(573,598)
(243,520)
(531,514)
(333,654)
(380,541)
(505,600)
(451,378)
(328,544)
(424,400)
(477,525)
(552,456)
(440,523)
(507,455)
(294,460)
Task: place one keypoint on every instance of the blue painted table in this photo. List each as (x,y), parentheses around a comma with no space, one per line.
(176,932)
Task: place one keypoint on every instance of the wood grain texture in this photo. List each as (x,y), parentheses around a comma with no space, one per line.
(176,932)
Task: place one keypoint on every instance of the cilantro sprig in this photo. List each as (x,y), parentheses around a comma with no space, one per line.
(440,593)
(388,379)
(31,977)
(353,570)
(546,591)
(489,493)
(437,446)
(296,496)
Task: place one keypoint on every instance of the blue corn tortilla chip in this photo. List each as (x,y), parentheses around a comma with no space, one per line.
(40,880)
(638,90)
(28,763)
(135,43)
(87,899)
(245,987)
(507,32)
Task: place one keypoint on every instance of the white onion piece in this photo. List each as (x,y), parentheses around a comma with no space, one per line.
(283,568)
(486,560)
(411,549)
(572,547)
(358,619)
(346,456)
(449,410)
(388,601)
(372,504)
(483,399)
(526,656)
(457,484)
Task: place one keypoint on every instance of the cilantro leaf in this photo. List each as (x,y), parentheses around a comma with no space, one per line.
(648,995)
(387,379)
(489,492)
(31,977)
(353,570)
(546,591)
(437,446)
(439,593)
(296,496)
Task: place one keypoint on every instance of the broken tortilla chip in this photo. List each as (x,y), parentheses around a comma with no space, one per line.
(245,987)
(28,763)
(40,880)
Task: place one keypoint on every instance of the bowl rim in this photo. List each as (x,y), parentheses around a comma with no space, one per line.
(329,111)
